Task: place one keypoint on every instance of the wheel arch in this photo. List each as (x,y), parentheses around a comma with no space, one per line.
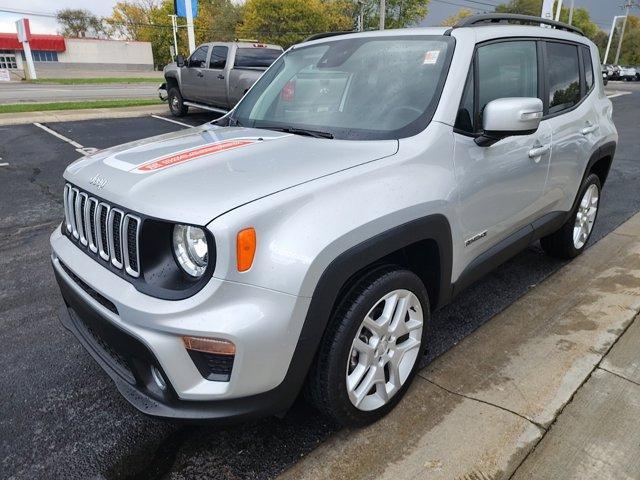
(398,245)
(172,82)
(600,164)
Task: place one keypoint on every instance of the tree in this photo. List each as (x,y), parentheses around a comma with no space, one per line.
(79,23)
(454,19)
(398,13)
(286,22)
(523,7)
(148,21)
(630,53)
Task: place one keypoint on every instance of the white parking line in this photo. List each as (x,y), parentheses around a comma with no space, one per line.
(618,94)
(4,164)
(79,148)
(172,121)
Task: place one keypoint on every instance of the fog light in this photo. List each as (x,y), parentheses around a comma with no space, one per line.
(157,377)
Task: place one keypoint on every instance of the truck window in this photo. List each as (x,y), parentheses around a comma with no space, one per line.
(198,58)
(219,58)
(563,73)
(256,57)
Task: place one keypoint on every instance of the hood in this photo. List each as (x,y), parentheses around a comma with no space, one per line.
(195,175)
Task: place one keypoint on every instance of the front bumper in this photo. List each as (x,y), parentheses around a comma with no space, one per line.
(128,342)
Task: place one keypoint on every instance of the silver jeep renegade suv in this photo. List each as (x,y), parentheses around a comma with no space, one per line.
(301,242)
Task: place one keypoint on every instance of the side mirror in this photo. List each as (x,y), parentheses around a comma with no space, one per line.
(506,117)
(180,60)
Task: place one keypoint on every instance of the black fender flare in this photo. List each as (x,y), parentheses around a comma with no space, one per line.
(605,150)
(343,268)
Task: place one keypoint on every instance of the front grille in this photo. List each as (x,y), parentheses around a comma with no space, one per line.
(111,233)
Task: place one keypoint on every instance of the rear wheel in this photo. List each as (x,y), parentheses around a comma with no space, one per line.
(571,240)
(372,348)
(176,103)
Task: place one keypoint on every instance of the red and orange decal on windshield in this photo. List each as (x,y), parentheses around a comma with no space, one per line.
(192,154)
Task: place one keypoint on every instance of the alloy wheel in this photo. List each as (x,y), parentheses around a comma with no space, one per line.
(384,350)
(586,216)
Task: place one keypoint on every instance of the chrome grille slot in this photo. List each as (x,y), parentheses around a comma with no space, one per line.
(81,201)
(102,230)
(90,222)
(115,236)
(71,202)
(130,243)
(110,233)
(65,200)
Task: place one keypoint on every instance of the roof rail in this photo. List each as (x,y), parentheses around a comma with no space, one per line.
(318,36)
(513,18)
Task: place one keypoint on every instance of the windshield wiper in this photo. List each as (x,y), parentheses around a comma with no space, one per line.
(299,131)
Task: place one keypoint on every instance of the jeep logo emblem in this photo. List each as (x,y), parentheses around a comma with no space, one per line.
(98,181)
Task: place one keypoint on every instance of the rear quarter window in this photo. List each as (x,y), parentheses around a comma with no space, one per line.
(256,57)
(563,76)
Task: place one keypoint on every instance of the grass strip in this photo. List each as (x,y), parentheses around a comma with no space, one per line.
(40,107)
(97,80)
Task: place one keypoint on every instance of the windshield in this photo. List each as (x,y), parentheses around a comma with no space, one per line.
(358,88)
(256,57)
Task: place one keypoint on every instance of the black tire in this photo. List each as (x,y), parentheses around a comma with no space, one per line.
(560,244)
(326,387)
(176,103)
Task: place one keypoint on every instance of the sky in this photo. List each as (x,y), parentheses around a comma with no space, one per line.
(602,11)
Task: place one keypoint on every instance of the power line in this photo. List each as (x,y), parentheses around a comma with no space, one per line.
(461,5)
(27,12)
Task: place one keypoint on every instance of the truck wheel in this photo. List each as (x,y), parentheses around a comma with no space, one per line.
(176,104)
(371,349)
(571,240)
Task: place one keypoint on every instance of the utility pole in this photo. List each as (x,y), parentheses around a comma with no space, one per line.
(558,10)
(627,6)
(571,12)
(613,29)
(383,11)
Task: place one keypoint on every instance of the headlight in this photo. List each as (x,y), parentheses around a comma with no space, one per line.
(191,249)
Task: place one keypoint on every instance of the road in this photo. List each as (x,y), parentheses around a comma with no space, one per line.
(14,92)
(62,416)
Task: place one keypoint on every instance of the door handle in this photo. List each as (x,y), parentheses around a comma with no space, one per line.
(537,152)
(220,76)
(200,74)
(589,129)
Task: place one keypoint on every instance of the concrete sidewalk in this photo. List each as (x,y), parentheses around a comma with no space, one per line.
(83,114)
(548,389)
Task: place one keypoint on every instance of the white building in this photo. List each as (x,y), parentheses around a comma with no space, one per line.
(57,56)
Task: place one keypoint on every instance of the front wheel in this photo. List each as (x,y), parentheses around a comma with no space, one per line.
(372,348)
(176,103)
(571,240)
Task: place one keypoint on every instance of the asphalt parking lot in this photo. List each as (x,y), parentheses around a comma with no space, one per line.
(62,417)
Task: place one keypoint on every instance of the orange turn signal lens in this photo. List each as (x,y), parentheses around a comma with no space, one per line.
(209,345)
(245,249)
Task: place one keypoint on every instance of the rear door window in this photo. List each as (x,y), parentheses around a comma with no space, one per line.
(563,76)
(218,57)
